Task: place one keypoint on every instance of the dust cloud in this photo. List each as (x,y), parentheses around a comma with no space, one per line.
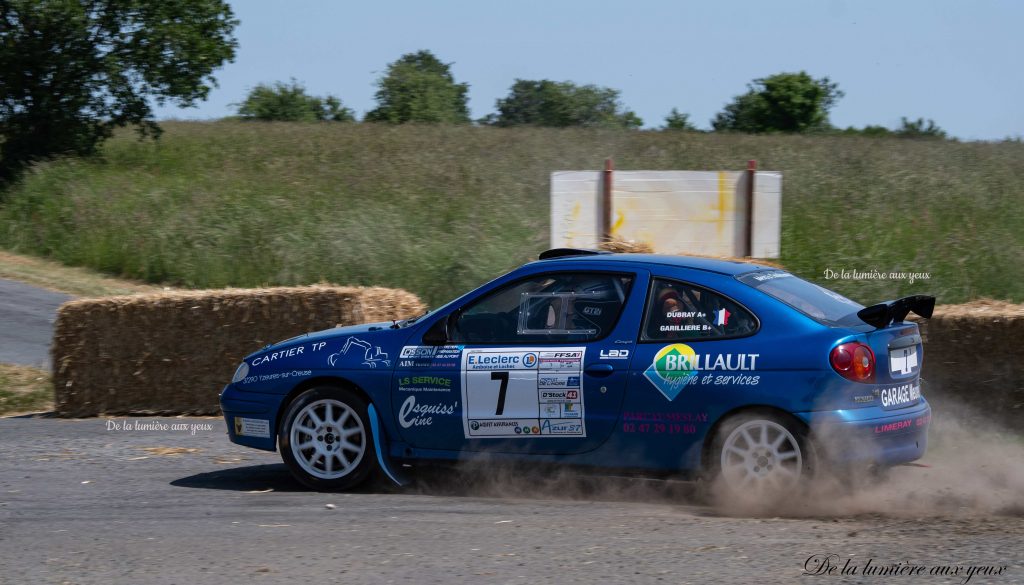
(972,468)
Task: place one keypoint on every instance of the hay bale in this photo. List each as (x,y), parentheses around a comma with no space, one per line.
(973,356)
(171,353)
(623,247)
(630,247)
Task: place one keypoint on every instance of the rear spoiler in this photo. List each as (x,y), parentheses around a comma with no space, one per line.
(882,315)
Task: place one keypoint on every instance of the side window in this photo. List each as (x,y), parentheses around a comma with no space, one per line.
(559,307)
(678,311)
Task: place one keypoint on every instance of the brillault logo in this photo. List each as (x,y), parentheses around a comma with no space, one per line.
(677,365)
(672,368)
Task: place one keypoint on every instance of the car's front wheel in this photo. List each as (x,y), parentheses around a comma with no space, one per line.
(325,438)
(760,457)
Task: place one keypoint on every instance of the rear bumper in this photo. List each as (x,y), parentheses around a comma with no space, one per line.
(871,435)
(250,417)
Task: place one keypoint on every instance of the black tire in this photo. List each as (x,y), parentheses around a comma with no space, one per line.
(346,442)
(766,473)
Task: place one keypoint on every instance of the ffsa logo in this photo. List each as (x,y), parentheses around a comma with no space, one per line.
(614,354)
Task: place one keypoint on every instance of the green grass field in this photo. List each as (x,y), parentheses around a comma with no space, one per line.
(437,210)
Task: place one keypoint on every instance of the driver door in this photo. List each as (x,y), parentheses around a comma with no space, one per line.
(542,365)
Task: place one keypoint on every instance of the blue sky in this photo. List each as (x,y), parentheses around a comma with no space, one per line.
(958,63)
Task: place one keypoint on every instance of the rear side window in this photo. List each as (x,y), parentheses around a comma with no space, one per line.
(817,302)
(677,311)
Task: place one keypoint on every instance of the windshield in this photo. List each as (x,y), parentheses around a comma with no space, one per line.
(823,305)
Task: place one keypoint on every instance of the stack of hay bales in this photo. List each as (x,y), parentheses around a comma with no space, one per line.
(973,355)
(173,352)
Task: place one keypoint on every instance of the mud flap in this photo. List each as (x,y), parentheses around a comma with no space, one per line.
(378,447)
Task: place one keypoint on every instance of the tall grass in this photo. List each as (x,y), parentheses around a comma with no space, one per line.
(438,210)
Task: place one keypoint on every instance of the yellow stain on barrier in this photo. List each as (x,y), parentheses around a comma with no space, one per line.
(726,202)
(574,216)
(620,218)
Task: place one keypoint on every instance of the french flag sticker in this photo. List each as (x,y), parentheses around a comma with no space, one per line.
(722,317)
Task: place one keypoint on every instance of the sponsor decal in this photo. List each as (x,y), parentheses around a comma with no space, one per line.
(641,416)
(558,381)
(284,353)
(372,355)
(902,395)
(412,414)
(509,392)
(418,351)
(553,410)
(614,354)
(663,423)
(430,356)
(277,376)
(771,276)
(893,426)
(252,427)
(560,427)
(424,384)
(501,361)
(864,398)
(678,365)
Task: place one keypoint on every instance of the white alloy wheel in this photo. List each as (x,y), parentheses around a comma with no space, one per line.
(328,439)
(761,457)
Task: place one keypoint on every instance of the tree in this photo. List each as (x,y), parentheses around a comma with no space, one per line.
(418,87)
(676,120)
(785,102)
(919,128)
(71,71)
(561,104)
(291,103)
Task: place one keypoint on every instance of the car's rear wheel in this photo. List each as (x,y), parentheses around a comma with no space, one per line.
(325,439)
(760,456)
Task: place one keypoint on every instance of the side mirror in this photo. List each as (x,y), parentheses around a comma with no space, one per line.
(438,332)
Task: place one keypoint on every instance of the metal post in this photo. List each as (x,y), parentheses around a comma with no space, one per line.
(606,200)
(748,235)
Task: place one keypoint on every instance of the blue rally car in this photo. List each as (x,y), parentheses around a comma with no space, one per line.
(660,365)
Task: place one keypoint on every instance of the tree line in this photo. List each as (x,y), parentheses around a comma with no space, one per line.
(420,88)
(72,71)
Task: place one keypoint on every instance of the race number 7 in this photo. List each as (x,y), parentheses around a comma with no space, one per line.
(503,376)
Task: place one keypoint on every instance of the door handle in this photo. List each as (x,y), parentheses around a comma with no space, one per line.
(599,370)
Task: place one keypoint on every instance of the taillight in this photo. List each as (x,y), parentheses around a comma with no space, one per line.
(854,361)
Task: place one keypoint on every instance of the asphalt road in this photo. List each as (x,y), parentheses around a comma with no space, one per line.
(83,504)
(27,314)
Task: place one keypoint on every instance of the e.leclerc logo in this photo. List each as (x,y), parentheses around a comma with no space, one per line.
(672,368)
